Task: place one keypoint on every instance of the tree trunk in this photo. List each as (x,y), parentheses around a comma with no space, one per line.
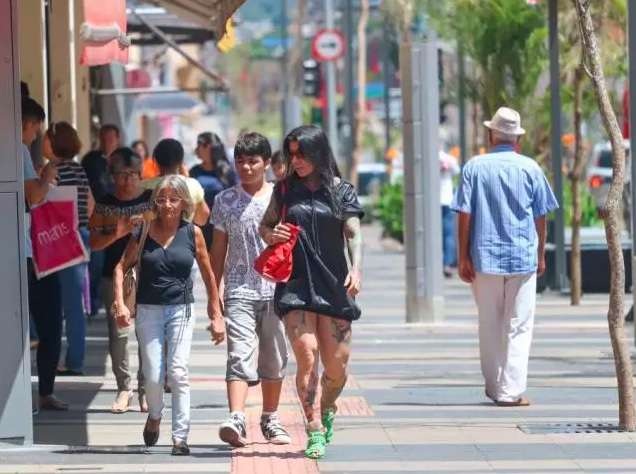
(361,111)
(622,360)
(295,63)
(575,181)
(475,128)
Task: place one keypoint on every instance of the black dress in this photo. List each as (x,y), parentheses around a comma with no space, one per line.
(319,263)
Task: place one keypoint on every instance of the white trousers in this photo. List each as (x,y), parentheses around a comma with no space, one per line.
(171,325)
(506,307)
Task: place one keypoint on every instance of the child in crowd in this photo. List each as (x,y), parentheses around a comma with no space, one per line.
(257,351)
(279,166)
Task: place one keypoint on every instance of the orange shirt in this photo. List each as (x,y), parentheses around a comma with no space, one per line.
(150,169)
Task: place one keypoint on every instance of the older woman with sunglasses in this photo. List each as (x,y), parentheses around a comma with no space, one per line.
(116,216)
(164,305)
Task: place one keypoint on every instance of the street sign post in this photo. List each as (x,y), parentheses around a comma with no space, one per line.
(328,45)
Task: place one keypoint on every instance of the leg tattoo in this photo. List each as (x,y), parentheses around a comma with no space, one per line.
(307,395)
(341,330)
(331,390)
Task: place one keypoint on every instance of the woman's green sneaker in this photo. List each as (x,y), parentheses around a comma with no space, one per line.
(327,422)
(316,445)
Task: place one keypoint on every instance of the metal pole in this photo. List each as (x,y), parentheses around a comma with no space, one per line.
(631,32)
(560,280)
(332,118)
(348,131)
(462,103)
(387,84)
(422,210)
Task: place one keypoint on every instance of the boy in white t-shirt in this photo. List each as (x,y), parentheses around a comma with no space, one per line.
(256,345)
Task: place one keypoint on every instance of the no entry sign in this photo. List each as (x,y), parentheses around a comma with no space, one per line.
(328,45)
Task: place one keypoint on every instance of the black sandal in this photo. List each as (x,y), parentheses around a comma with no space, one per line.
(151,437)
(180,448)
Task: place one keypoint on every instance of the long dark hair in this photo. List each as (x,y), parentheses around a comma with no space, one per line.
(218,156)
(314,146)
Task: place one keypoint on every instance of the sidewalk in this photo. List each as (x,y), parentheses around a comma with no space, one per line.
(414,402)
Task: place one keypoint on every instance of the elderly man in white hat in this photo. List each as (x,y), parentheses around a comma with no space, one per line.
(502,200)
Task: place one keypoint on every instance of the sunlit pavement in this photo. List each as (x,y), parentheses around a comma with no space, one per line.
(414,402)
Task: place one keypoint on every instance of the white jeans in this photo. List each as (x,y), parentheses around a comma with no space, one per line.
(155,325)
(506,307)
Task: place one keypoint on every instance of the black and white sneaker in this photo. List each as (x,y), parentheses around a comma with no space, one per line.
(232,431)
(273,430)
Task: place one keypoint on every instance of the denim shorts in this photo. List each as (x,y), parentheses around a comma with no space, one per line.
(256,344)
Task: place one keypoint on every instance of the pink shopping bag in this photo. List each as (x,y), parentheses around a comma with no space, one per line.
(55,237)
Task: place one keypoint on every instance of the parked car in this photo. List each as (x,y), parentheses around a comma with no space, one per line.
(371,178)
(599,173)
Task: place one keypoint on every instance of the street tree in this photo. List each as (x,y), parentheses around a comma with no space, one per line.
(361,108)
(505,41)
(612,216)
(295,63)
(610,28)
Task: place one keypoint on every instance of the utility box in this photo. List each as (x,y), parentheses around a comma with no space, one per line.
(16,424)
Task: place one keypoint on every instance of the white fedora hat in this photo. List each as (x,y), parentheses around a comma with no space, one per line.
(506,121)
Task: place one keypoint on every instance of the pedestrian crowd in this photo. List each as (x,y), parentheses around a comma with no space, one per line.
(154,227)
(151,228)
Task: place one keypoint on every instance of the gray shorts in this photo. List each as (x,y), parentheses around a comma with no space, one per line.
(256,344)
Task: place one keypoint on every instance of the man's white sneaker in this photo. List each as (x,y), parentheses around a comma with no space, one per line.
(232,431)
(273,430)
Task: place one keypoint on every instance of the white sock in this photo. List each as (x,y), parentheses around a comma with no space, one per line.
(240,414)
(267,414)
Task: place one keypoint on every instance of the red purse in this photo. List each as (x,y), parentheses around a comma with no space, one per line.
(275,262)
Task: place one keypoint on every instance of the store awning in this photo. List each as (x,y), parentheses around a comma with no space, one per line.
(210,14)
(181,31)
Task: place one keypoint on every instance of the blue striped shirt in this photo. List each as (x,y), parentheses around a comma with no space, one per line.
(504,192)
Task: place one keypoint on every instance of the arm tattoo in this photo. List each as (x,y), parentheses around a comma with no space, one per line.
(353,234)
(270,219)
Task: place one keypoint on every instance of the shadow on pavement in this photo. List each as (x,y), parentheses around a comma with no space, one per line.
(71,427)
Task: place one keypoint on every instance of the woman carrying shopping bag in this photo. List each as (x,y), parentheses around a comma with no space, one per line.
(60,145)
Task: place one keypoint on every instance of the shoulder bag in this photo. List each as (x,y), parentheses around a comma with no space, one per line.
(275,263)
(131,277)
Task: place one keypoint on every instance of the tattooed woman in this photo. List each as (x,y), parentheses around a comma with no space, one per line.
(317,303)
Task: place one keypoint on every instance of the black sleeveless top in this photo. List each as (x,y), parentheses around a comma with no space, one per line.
(319,262)
(165,274)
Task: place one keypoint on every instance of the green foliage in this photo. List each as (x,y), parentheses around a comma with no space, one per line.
(390,210)
(589,214)
(506,39)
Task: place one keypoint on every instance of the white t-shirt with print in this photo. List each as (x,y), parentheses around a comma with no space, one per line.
(239,214)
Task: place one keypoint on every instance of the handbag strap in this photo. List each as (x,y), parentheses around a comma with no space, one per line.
(283,194)
(142,242)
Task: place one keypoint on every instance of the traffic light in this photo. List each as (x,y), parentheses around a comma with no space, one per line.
(311,78)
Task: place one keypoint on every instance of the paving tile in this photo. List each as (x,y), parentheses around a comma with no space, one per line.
(414,401)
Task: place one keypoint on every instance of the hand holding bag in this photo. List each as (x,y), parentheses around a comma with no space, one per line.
(57,243)
(131,277)
(275,263)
